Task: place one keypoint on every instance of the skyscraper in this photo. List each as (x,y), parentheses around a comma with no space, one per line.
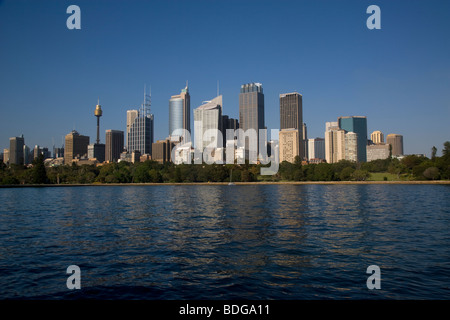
(114,145)
(162,150)
(291,111)
(208,124)
(76,146)
(140,134)
(36,151)
(251,114)
(351,146)
(305,142)
(131,115)
(291,117)
(26,154)
(357,125)
(228,123)
(396,141)
(16,150)
(334,143)
(179,114)
(289,144)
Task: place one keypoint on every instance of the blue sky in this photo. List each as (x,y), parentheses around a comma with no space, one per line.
(51,77)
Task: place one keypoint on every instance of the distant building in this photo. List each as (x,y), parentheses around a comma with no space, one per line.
(16,145)
(161,150)
(58,152)
(6,156)
(96,151)
(358,125)
(140,134)
(291,117)
(305,142)
(228,124)
(125,156)
(289,144)
(114,145)
(396,141)
(36,152)
(135,156)
(145,157)
(46,153)
(208,125)
(251,116)
(180,114)
(334,143)
(316,149)
(76,146)
(351,146)
(377,137)
(26,155)
(377,151)
(131,116)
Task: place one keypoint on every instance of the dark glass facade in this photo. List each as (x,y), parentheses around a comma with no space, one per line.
(140,137)
(357,125)
(251,110)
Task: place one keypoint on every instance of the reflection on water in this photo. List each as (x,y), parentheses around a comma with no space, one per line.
(225,242)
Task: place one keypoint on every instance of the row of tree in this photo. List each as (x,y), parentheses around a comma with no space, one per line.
(409,168)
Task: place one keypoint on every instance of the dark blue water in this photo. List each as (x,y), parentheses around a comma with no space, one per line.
(226,242)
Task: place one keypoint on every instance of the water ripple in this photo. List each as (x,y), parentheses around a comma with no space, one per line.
(221,242)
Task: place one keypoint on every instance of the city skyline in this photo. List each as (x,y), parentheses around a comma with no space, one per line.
(52,77)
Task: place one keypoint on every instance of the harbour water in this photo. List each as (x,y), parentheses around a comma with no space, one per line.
(286,242)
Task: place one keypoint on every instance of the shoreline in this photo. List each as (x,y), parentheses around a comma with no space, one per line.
(431,182)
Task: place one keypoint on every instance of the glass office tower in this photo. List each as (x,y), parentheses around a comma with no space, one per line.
(357,125)
(179,113)
(251,113)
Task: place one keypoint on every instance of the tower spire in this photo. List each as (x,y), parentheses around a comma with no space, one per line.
(98,113)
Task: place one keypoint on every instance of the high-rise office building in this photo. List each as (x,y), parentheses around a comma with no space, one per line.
(16,150)
(208,124)
(291,117)
(334,143)
(228,124)
(96,151)
(36,152)
(179,114)
(357,125)
(316,148)
(114,145)
(251,115)
(131,115)
(351,146)
(162,150)
(26,154)
(377,137)
(305,142)
(140,134)
(76,146)
(289,145)
(396,141)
